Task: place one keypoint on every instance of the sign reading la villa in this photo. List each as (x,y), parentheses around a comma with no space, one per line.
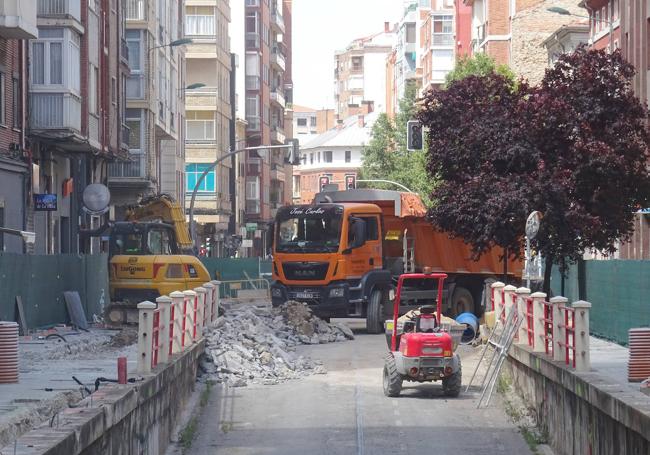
(307,211)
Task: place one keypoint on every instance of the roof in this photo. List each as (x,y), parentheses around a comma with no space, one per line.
(350,134)
(299,108)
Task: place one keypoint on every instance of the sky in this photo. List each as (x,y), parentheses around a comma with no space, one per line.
(319,27)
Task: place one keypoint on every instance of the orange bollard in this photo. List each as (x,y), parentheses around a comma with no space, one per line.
(121,370)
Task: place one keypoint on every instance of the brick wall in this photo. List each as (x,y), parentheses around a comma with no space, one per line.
(309,181)
(10,67)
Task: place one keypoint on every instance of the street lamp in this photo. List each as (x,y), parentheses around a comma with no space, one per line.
(566,12)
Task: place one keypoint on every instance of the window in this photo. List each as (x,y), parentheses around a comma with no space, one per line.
(252,188)
(3,99)
(93,100)
(443,30)
(348,156)
(319,157)
(312,121)
(113,90)
(311,158)
(200,126)
(302,122)
(372,228)
(193,173)
(327,156)
(304,160)
(134,121)
(410,32)
(16,107)
(50,60)
(199,20)
(357,63)
(135,82)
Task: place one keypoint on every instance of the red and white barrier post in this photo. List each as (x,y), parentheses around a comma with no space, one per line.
(522,295)
(201,294)
(558,327)
(538,321)
(145,331)
(216,302)
(581,335)
(176,316)
(509,297)
(497,298)
(164,306)
(209,298)
(190,317)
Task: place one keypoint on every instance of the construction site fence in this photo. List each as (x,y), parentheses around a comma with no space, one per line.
(41,280)
(229,269)
(552,327)
(618,290)
(174,323)
(246,289)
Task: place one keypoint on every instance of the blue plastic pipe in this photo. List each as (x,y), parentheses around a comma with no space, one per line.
(471,326)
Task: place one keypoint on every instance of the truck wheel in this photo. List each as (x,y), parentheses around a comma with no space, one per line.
(392,379)
(375,313)
(461,302)
(451,384)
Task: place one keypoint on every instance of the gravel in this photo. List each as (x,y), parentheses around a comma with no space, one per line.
(251,344)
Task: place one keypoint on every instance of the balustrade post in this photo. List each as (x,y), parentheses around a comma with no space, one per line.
(145,331)
(164,305)
(508,304)
(558,303)
(217,299)
(538,321)
(522,295)
(581,334)
(201,293)
(177,321)
(190,317)
(209,298)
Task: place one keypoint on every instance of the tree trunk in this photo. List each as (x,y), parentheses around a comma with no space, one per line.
(548,267)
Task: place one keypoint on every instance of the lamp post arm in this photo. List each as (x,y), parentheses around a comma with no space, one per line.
(210,168)
(386,181)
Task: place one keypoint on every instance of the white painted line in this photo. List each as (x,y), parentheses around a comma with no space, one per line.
(357,400)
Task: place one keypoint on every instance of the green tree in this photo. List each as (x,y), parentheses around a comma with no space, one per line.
(479,64)
(386,158)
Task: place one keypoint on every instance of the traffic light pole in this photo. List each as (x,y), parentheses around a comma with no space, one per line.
(210,168)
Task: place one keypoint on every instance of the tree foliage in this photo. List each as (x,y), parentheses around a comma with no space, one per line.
(479,64)
(575,148)
(386,158)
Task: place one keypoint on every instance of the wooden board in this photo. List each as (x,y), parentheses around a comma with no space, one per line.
(20,312)
(75,310)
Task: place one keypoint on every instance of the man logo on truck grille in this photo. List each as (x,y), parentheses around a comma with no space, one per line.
(305,273)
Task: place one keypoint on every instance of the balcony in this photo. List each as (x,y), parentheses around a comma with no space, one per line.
(254,166)
(277,172)
(254,122)
(124,51)
(277,22)
(59,8)
(410,48)
(252,206)
(252,40)
(480,32)
(18,19)
(277,59)
(55,111)
(277,135)
(126,132)
(204,97)
(253,82)
(133,169)
(135,87)
(253,3)
(135,10)
(278,97)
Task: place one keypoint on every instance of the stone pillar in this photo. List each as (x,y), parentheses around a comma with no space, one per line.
(559,334)
(496,300)
(508,300)
(538,323)
(164,305)
(177,324)
(209,298)
(190,317)
(201,293)
(581,322)
(522,295)
(217,299)
(145,330)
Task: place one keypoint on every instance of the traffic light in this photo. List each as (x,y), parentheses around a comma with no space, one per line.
(414,138)
(323,181)
(293,154)
(350,182)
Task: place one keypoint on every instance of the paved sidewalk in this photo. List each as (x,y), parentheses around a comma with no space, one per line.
(610,360)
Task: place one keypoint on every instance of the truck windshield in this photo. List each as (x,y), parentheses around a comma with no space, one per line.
(302,230)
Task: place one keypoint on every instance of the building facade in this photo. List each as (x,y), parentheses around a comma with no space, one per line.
(17,25)
(437,38)
(355,73)
(336,154)
(208,120)
(77,66)
(154,114)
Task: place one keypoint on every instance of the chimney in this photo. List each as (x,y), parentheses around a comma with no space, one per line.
(361,121)
(386,27)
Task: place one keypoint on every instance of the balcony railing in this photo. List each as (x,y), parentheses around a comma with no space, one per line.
(278,97)
(253,3)
(252,206)
(135,10)
(126,133)
(277,135)
(134,168)
(480,32)
(277,59)
(277,21)
(254,122)
(55,111)
(446,39)
(135,86)
(252,41)
(254,166)
(252,82)
(124,51)
(70,8)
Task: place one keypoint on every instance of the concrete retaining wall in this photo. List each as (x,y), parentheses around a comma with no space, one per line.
(130,419)
(581,412)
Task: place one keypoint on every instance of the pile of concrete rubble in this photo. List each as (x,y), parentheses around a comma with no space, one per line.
(252,344)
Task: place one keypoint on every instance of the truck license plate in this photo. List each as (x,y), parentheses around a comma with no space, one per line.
(305,295)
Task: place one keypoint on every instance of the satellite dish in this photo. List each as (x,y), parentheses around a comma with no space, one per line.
(96,198)
(532,224)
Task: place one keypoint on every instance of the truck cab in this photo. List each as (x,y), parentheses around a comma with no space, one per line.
(330,256)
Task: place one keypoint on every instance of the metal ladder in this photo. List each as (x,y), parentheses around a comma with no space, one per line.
(408,248)
(500,339)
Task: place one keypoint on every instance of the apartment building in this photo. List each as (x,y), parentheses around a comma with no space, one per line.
(335,154)
(17,25)
(265,97)
(78,64)
(438,43)
(355,73)
(208,119)
(154,113)
(308,122)
(566,39)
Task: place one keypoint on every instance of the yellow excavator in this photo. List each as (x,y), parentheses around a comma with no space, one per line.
(151,254)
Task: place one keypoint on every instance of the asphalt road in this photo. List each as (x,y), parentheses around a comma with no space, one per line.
(346,412)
